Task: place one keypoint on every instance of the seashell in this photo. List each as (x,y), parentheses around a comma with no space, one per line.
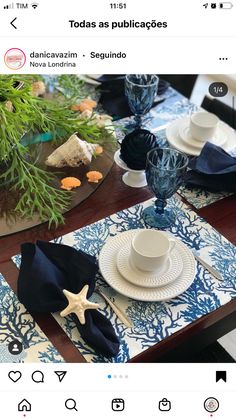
(86,114)
(100,119)
(103,120)
(69,183)
(38,88)
(94,176)
(99,150)
(73,153)
(9,106)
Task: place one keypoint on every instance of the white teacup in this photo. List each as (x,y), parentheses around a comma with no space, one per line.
(203,125)
(150,249)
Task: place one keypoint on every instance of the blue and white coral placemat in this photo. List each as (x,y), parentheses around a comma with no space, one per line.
(177,106)
(154,322)
(17,323)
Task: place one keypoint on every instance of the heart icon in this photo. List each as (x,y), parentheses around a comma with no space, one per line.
(14,376)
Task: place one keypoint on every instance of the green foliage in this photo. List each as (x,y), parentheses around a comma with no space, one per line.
(39,193)
(72,86)
(38,196)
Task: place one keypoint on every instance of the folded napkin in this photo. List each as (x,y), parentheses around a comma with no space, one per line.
(214,169)
(46,270)
(113,99)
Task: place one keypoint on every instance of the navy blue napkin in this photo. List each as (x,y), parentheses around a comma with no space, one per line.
(113,99)
(48,268)
(214,169)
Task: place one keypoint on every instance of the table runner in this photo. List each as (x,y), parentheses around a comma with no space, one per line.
(177,106)
(17,323)
(153,322)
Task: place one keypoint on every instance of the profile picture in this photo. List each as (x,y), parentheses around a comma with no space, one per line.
(15,58)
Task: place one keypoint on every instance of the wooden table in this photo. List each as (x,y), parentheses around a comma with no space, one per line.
(110,197)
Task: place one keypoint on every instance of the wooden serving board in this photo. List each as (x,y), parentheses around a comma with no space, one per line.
(102,163)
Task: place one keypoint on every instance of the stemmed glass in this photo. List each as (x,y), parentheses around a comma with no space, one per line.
(164,172)
(140,90)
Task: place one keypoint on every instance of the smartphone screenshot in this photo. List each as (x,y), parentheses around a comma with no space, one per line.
(117,209)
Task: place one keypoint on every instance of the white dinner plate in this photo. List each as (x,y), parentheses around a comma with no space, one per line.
(174,139)
(109,271)
(185,134)
(163,276)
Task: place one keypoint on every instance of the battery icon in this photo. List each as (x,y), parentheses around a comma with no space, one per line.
(226,5)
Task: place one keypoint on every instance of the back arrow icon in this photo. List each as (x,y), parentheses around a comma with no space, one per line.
(12,23)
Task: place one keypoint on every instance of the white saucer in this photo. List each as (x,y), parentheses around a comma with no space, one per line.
(185,135)
(158,278)
(174,139)
(108,268)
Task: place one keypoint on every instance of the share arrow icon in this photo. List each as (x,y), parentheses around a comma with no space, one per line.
(61,375)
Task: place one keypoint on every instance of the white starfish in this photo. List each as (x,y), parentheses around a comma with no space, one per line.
(78,304)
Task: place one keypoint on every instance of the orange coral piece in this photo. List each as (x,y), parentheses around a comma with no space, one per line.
(90,102)
(85,105)
(69,183)
(75,107)
(99,150)
(94,176)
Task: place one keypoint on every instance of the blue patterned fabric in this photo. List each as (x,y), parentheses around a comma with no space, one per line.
(214,169)
(154,322)
(46,270)
(174,106)
(17,323)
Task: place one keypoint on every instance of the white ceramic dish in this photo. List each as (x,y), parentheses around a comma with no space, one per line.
(109,270)
(203,125)
(174,139)
(158,278)
(185,135)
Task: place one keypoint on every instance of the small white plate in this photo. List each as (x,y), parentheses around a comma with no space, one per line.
(158,278)
(108,268)
(174,139)
(185,134)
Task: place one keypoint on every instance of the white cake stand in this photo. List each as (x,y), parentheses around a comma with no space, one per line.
(133,178)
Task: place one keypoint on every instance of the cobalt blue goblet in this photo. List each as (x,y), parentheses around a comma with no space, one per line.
(164,172)
(140,90)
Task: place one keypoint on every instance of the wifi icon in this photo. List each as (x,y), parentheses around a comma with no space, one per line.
(34,5)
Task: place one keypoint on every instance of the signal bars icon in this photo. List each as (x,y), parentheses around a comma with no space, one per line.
(9,6)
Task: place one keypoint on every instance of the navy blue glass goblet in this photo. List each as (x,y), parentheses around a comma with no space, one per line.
(140,90)
(164,172)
